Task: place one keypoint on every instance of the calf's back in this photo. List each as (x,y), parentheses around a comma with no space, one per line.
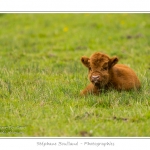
(123,78)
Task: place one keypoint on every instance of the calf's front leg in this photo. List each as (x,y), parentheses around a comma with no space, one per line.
(90,89)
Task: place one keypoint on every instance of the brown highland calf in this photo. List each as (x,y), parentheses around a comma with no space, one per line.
(105,73)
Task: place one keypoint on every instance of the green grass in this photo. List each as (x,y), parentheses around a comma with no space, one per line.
(41,75)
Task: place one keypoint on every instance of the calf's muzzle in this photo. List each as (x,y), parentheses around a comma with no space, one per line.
(95,79)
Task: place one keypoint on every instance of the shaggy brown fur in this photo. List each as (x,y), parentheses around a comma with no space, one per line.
(105,73)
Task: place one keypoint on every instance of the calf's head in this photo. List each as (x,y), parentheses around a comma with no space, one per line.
(99,66)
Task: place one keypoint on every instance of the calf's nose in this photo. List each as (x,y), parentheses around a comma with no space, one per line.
(94,78)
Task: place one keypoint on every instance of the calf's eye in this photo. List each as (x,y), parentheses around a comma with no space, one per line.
(105,68)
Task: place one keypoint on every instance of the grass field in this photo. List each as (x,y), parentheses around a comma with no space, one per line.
(41,75)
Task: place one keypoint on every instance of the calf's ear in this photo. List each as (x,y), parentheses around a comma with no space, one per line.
(85,61)
(113,61)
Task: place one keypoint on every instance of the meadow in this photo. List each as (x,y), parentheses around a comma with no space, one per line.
(41,75)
